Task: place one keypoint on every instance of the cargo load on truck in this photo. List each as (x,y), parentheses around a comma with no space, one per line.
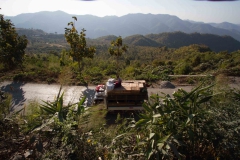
(129,96)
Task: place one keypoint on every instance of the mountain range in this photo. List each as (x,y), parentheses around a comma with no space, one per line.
(131,24)
(37,37)
(179,39)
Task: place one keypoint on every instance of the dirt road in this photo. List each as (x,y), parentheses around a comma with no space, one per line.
(23,93)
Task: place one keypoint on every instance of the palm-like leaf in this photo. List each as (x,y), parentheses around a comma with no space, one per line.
(54,107)
(75,18)
(177,116)
(80,108)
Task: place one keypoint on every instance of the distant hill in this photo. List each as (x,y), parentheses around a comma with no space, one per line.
(227,26)
(106,39)
(179,39)
(131,24)
(140,40)
(169,39)
(30,32)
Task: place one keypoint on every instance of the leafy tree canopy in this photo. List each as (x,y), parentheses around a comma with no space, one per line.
(78,44)
(117,48)
(12,45)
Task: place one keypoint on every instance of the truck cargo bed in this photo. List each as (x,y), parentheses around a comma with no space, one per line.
(130,96)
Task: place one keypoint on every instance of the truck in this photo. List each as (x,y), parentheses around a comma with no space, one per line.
(130,96)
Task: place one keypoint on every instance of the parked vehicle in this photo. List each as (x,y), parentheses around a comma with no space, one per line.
(129,96)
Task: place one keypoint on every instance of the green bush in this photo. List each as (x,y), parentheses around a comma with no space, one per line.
(5,105)
(18,76)
(32,116)
(183,69)
(185,124)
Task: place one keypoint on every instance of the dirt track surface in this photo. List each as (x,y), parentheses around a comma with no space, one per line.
(23,93)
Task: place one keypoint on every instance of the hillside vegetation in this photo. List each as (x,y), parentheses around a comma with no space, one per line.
(38,38)
(148,57)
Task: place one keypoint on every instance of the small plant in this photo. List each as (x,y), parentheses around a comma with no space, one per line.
(31,116)
(57,106)
(5,104)
(50,80)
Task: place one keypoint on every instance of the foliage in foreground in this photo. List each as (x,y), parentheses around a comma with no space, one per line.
(201,124)
(194,125)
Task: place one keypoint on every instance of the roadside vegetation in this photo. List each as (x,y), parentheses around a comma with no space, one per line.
(200,124)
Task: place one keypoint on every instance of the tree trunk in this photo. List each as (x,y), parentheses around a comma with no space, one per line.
(117,61)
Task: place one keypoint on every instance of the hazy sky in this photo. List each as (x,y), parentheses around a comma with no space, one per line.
(203,11)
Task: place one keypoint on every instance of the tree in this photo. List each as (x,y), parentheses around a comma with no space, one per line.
(117,48)
(12,46)
(78,44)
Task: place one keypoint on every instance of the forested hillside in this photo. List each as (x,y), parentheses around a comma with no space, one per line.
(151,57)
(42,42)
(179,39)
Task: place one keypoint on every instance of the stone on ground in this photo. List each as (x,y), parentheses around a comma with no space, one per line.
(167,84)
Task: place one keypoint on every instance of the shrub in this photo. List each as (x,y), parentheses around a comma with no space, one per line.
(31,115)
(183,69)
(198,124)
(5,104)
